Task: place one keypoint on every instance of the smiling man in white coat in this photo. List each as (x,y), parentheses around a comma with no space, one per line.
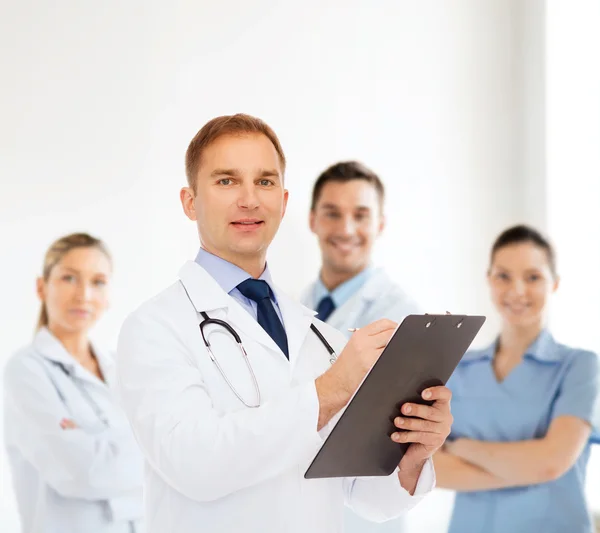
(347,217)
(230,385)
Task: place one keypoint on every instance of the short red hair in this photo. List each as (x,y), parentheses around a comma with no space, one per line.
(238,124)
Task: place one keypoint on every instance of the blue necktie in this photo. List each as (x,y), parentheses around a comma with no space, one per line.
(325,308)
(259,291)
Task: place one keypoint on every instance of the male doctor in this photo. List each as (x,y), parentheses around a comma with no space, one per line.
(350,292)
(347,218)
(229,419)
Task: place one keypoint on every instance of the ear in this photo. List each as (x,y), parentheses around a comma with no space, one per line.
(286,195)
(40,289)
(187,196)
(382,223)
(556,284)
(312,220)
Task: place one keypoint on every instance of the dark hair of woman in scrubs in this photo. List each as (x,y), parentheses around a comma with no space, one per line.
(523,408)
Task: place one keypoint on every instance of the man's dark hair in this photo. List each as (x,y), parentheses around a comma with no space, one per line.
(343,172)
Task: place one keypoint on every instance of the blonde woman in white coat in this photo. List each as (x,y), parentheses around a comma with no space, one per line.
(74,462)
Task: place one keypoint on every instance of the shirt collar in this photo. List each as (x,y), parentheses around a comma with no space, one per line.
(483,354)
(228,275)
(47,345)
(341,294)
(51,348)
(542,349)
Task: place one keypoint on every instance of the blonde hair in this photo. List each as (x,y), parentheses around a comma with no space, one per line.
(58,249)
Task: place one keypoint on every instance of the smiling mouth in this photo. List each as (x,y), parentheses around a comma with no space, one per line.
(517,308)
(80,312)
(344,246)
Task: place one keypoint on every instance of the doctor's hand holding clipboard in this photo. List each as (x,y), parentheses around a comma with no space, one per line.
(231,386)
(425,426)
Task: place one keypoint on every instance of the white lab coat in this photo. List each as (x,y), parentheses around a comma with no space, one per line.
(214,464)
(87,479)
(378,298)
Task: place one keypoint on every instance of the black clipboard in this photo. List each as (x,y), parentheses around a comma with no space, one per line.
(423,352)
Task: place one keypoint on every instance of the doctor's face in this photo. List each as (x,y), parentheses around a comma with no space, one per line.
(521,283)
(240,199)
(347,219)
(76,292)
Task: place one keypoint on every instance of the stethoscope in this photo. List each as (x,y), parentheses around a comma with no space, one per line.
(218,322)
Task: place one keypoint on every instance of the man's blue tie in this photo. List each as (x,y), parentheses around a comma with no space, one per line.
(259,291)
(325,308)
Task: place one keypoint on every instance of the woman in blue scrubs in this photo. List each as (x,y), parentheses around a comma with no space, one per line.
(523,409)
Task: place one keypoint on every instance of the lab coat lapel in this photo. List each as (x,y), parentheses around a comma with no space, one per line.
(348,314)
(296,320)
(49,347)
(207,295)
(376,286)
(245,323)
(52,349)
(106,363)
(203,291)
(344,317)
(307,297)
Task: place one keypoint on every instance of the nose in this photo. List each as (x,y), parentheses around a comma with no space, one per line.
(83,292)
(519,287)
(348,226)
(248,198)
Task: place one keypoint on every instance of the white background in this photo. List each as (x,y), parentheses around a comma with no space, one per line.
(461,106)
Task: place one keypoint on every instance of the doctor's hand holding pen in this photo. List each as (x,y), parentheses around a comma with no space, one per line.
(425,427)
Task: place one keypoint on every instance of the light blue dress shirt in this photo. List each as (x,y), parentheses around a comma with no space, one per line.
(229,276)
(342,293)
(552,380)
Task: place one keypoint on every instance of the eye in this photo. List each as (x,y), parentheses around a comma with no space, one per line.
(361,216)
(68,278)
(225,181)
(99,282)
(534,277)
(503,276)
(266,183)
(332,214)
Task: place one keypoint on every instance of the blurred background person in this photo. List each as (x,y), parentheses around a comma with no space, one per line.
(347,217)
(74,462)
(350,291)
(523,408)
(465,109)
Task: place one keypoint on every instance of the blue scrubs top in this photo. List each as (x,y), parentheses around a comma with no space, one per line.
(552,380)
